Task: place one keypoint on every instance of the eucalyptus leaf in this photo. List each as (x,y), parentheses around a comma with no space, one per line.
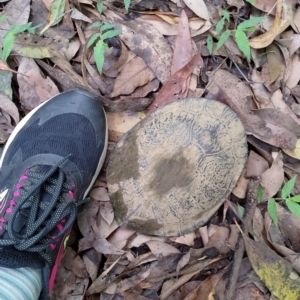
(272,210)
(209,43)
(288,187)
(243,43)
(251,22)
(223,38)
(293,207)
(99,50)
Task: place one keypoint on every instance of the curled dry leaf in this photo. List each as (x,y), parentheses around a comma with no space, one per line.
(256,165)
(187,239)
(237,95)
(198,7)
(177,85)
(160,248)
(294,152)
(143,239)
(272,179)
(294,77)
(107,212)
(120,237)
(134,74)
(182,55)
(99,193)
(8,106)
(120,123)
(240,188)
(218,238)
(103,246)
(34,88)
(149,45)
(283,19)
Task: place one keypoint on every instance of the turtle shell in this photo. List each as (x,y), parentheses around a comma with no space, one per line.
(172,171)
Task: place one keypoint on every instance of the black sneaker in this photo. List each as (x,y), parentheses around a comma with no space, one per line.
(48,166)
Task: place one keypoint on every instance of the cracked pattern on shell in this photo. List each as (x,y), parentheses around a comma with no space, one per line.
(172,171)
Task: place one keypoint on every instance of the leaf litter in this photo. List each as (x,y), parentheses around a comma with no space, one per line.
(168,50)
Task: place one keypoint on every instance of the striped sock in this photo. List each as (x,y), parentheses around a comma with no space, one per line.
(21,283)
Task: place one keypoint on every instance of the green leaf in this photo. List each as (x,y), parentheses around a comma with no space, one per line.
(93,39)
(95,25)
(57,10)
(251,22)
(272,210)
(288,187)
(242,42)
(223,38)
(100,7)
(99,50)
(110,34)
(225,14)
(127,3)
(32,30)
(3,18)
(209,43)
(220,25)
(260,193)
(8,43)
(106,26)
(21,28)
(295,198)
(251,1)
(293,207)
(241,211)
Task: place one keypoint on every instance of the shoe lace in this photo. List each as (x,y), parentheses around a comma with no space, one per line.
(36,237)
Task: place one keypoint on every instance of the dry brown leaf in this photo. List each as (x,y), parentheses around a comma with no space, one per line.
(187,239)
(8,106)
(120,237)
(272,179)
(199,8)
(282,20)
(143,239)
(289,225)
(134,74)
(241,186)
(183,261)
(74,263)
(18,13)
(99,193)
(103,246)
(92,260)
(120,123)
(273,270)
(34,88)
(262,95)
(294,77)
(256,165)
(182,55)
(218,238)
(275,62)
(107,212)
(149,45)
(258,224)
(268,6)
(177,85)
(237,95)
(160,248)
(294,46)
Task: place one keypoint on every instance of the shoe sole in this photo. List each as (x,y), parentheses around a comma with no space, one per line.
(21,124)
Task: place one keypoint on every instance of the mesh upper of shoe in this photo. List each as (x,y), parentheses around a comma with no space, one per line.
(61,135)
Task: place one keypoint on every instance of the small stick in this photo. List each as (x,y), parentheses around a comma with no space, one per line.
(240,246)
